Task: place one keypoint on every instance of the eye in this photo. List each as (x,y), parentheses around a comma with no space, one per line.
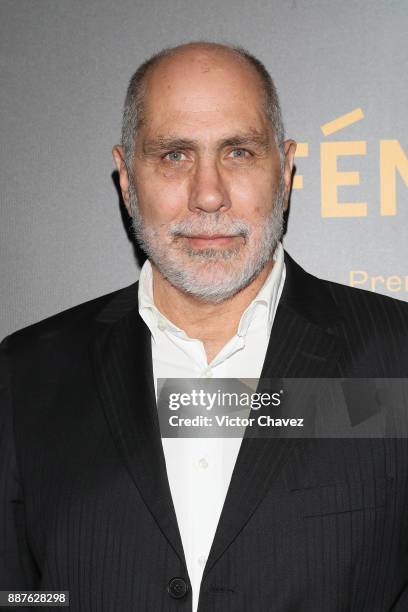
(240,153)
(174,156)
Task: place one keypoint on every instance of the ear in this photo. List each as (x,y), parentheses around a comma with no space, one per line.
(289,147)
(119,158)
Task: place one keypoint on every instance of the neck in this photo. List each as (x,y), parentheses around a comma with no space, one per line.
(213,324)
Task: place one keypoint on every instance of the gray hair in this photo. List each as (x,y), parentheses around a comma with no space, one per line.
(133,112)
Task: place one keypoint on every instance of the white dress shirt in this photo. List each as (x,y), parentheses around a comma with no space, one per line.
(199,470)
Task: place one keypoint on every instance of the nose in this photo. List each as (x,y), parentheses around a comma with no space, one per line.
(208,191)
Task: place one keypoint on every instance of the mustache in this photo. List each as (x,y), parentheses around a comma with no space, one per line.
(209,226)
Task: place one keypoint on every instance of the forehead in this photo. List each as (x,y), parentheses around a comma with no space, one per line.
(199,90)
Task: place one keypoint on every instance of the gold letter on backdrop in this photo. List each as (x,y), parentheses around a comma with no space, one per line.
(392,158)
(331,178)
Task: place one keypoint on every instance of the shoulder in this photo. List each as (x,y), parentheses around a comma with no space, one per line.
(73,325)
(344,294)
(375,330)
(324,300)
(369,308)
(372,327)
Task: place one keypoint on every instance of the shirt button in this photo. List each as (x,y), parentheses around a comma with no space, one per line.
(203,463)
(202,560)
(177,588)
(207,373)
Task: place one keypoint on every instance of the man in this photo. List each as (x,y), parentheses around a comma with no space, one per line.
(93,500)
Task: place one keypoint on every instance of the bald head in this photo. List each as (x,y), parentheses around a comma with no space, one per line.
(197,67)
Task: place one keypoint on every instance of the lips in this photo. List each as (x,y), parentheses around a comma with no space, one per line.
(201,240)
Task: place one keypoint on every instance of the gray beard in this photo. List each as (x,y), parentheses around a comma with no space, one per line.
(232,279)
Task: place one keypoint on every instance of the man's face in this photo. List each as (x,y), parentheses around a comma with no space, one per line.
(208,183)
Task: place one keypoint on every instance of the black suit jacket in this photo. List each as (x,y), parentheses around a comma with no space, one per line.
(85,506)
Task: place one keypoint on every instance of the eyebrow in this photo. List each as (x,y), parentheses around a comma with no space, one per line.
(165,143)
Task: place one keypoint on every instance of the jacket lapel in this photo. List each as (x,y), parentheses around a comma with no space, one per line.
(304,343)
(122,359)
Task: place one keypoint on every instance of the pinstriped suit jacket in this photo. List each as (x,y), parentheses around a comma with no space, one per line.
(85,505)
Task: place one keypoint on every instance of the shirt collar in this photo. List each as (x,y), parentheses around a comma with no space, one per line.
(268,297)
(148,310)
(269,294)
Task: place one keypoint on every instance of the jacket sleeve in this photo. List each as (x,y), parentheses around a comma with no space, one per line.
(18,569)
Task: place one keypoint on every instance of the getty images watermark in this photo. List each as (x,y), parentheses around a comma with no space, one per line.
(290,407)
(208,401)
